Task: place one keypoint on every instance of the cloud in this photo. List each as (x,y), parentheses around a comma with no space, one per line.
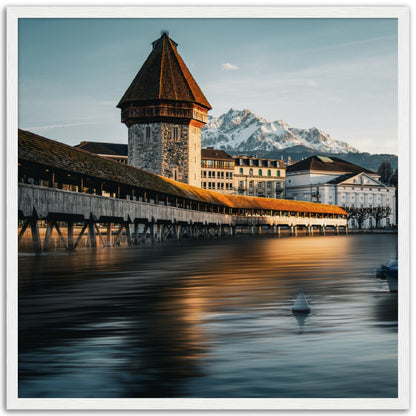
(311,83)
(229,67)
(57,126)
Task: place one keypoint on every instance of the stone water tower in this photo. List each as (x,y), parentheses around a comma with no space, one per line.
(164,110)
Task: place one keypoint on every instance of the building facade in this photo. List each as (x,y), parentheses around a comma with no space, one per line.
(259,177)
(217,170)
(335,181)
(164,110)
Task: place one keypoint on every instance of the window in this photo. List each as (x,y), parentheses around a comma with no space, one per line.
(204,185)
(251,184)
(175,133)
(260,172)
(278,174)
(269,173)
(218,174)
(147,134)
(231,175)
(241,171)
(250,172)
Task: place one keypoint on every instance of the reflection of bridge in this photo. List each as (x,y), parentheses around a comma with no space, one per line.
(65,186)
(143,220)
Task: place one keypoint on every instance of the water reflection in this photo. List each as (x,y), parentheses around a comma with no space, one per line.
(210,319)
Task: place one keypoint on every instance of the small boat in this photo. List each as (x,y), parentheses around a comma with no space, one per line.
(389,272)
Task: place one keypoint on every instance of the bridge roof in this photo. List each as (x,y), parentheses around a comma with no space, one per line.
(52,154)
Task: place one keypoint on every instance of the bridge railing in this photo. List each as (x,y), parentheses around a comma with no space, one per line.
(61,204)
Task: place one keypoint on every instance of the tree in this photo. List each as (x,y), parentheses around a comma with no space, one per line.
(379,213)
(358,214)
(394,178)
(385,171)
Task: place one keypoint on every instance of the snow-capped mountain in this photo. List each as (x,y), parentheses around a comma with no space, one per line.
(245,131)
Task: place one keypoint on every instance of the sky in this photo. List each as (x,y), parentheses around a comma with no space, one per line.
(339,75)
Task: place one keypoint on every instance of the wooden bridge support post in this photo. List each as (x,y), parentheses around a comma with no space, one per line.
(109,234)
(128,233)
(49,229)
(323,230)
(159,232)
(259,229)
(278,230)
(70,233)
(291,230)
(136,233)
(295,230)
(177,231)
(92,236)
(37,245)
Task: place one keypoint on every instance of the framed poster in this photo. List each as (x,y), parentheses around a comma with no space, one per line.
(236,241)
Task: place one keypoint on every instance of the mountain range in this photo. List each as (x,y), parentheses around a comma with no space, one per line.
(245,132)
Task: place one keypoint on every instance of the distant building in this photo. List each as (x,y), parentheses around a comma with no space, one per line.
(259,177)
(164,110)
(113,151)
(335,181)
(217,168)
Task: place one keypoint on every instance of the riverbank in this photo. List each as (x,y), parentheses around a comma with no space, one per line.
(357,231)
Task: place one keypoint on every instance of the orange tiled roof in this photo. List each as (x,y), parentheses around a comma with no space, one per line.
(38,149)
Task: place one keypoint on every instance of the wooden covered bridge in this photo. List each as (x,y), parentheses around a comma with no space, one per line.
(63,186)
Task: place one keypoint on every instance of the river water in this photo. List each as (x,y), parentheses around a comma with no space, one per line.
(210,318)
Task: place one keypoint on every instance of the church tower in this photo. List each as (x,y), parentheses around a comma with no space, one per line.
(164,110)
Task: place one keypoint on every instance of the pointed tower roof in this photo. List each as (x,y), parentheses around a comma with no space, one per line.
(164,76)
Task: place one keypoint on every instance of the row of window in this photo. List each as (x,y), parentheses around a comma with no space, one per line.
(259,185)
(220,175)
(217,164)
(259,172)
(148,133)
(217,185)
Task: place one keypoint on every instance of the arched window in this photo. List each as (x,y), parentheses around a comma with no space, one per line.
(250,172)
(260,172)
(241,171)
(278,173)
(269,173)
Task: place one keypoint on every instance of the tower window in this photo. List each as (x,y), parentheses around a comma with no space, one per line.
(147,134)
(175,133)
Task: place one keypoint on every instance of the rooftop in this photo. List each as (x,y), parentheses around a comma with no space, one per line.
(164,77)
(99,148)
(214,154)
(326,164)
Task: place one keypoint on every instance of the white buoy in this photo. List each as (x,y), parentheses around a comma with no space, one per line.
(301,304)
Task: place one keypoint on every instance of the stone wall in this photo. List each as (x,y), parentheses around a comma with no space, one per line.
(176,158)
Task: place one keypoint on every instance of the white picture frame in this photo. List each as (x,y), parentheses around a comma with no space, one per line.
(400,13)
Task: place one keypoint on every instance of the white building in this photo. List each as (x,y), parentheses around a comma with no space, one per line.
(260,177)
(335,181)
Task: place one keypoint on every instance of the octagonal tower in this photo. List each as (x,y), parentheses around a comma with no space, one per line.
(164,110)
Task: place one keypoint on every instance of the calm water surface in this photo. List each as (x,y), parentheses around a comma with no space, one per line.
(210,319)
